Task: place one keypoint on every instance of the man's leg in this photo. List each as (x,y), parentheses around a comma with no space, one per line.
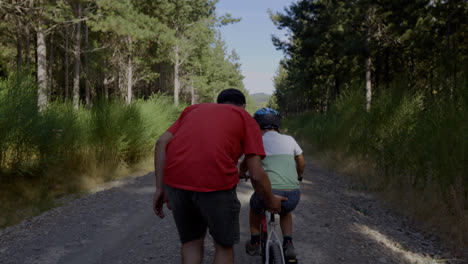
(221,212)
(223,254)
(192,251)
(189,222)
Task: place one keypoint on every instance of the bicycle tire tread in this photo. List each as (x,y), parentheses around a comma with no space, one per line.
(275,254)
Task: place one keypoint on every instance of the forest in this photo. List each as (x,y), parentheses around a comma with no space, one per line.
(87,86)
(380,89)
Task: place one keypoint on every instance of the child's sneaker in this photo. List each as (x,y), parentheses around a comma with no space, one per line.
(252,250)
(289,252)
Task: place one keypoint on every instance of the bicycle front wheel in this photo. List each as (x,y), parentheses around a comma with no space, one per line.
(275,255)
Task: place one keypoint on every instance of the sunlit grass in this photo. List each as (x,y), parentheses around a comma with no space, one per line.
(411,148)
(60,151)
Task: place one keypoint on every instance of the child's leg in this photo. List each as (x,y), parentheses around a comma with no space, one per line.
(255,215)
(286,228)
(286,224)
(255,221)
(252,246)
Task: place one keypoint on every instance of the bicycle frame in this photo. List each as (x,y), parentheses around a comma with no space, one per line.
(272,237)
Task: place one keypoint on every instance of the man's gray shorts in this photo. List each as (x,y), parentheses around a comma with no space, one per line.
(194,212)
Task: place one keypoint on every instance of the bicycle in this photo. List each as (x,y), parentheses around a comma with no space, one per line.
(271,248)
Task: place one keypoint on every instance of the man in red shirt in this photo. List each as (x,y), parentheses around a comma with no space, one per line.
(196,173)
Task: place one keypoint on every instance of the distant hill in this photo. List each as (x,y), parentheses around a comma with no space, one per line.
(260,98)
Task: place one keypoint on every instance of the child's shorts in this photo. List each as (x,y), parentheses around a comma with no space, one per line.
(258,206)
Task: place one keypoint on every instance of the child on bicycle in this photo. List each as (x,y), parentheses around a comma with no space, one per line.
(284,164)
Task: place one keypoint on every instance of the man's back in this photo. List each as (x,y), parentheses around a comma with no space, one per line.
(208,140)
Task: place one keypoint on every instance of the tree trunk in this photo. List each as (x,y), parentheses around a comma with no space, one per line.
(448,52)
(106,92)
(387,68)
(51,59)
(106,83)
(129,79)
(454,68)
(119,77)
(336,90)
(41,68)
(27,55)
(122,78)
(369,19)
(19,47)
(193,93)
(368,82)
(76,75)
(324,102)
(107,80)
(160,78)
(176,75)
(66,63)
(86,68)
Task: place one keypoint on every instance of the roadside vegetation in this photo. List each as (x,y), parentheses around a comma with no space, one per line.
(407,150)
(380,90)
(61,150)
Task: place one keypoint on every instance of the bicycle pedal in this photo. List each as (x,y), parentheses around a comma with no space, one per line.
(294,260)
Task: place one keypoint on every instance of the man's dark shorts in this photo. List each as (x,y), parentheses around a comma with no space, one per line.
(258,206)
(194,212)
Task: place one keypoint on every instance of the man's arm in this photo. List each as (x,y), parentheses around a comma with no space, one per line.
(262,185)
(300,166)
(243,169)
(159,161)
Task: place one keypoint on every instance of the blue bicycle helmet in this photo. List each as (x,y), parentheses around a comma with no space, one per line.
(268,118)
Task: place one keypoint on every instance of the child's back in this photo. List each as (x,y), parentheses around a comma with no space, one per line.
(280,162)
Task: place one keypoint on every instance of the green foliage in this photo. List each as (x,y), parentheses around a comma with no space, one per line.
(127,47)
(410,140)
(111,133)
(19,121)
(422,42)
(408,134)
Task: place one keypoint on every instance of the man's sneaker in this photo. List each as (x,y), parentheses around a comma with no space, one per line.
(252,250)
(289,252)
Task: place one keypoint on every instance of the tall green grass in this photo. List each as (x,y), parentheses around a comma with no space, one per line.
(411,145)
(44,155)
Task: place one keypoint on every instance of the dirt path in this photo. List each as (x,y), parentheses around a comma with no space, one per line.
(332,223)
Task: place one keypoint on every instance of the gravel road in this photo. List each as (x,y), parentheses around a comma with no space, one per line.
(332,224)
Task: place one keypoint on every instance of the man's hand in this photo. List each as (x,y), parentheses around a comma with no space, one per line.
(274,205)
(160,197)
(261,184)
(244,176)
(243,170)
(159,200)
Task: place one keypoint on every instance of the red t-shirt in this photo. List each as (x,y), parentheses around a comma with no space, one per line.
(208,141)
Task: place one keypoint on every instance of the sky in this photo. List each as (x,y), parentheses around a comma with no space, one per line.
(251,39)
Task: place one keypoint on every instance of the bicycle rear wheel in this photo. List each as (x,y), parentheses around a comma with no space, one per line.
(263,238)
(275,254)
